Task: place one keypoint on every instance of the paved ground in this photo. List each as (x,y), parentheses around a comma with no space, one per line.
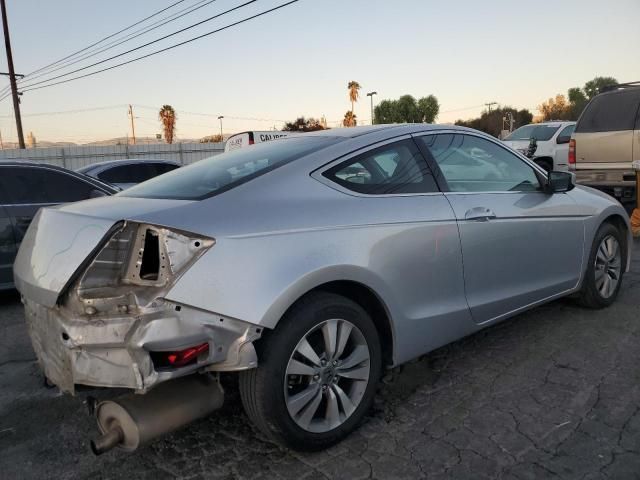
(554,393)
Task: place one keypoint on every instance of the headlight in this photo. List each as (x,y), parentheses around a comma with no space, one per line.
(136,265)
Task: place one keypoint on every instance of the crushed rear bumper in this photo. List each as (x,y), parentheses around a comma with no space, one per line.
(112,351)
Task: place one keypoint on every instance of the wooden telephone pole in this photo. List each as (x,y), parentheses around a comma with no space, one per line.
(12,75)
(133,127)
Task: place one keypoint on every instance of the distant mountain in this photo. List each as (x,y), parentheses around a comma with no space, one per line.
(110,141)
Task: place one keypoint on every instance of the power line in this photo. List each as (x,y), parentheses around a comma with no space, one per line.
(141,46)
(108,37)
(64,112)
(164,49)
(92,53)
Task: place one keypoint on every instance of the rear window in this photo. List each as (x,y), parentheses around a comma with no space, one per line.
(128,173)
(539,132)
(610,112)
(221,173)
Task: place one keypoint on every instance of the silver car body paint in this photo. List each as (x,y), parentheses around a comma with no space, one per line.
(440,276)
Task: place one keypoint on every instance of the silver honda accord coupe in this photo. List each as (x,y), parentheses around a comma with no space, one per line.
(304,266)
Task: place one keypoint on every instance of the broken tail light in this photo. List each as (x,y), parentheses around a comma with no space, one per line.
(180,358)
(138,255)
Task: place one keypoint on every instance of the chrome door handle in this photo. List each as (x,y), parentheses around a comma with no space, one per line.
(479,214)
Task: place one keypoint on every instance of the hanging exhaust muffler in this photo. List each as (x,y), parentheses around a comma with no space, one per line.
(134,420)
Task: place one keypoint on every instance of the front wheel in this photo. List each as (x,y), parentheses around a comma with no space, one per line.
(317,374)
(603,278)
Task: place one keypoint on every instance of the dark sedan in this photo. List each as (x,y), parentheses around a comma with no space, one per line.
(24,188)
(130,172)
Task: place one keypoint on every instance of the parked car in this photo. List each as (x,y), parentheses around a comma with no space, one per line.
(127,173)
(274,264)
(606,141)
(552,139)
(244,139)
(24,188)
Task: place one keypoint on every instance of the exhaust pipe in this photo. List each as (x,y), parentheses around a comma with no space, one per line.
(134,420)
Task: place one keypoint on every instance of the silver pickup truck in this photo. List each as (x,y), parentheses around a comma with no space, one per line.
(607,140)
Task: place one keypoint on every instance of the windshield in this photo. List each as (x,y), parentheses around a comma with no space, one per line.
(539,132)
(225,171)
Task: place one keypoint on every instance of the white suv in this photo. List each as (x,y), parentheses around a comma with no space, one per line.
(552,140)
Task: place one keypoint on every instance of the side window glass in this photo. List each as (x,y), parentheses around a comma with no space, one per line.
(62,188)
(473,164)
(129,173)
(610,112)
(23,185)
(394,168)
(164,168)
(566,131)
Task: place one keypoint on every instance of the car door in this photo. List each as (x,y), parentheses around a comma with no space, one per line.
(520,245)
(561,152)
(422,263)
(31,187)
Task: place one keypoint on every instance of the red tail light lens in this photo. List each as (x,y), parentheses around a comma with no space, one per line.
(572,152)
(180,358)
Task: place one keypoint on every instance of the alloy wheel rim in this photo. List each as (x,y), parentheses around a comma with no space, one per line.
(608,266)
(327,375)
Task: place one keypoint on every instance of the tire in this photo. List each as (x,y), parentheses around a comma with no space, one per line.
(593,293)
(545,164)
(269,391)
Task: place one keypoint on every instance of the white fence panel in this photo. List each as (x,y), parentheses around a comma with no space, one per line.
(75,157)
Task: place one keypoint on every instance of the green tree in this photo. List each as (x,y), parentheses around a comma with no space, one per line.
(407,109)
(354,93)
(555,109)
(492,122)
(577,101)
(302,124)
(593,87)
(168,117)
(349,119)
(428,108)
(385,112)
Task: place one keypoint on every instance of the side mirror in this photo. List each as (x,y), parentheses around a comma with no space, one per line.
(563,139)
(558,182)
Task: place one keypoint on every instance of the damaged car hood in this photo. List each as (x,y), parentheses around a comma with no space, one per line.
(61,238)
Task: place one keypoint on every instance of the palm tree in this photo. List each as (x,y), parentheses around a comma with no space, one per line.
(167,116)
(354,92)
(349,119)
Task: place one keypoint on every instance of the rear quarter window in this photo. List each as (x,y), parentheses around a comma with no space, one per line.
(610,112)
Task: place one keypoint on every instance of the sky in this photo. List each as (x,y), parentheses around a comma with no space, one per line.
(298,60)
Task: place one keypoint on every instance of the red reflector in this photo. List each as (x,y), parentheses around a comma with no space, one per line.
(572,152)
(186,356)
(251,141)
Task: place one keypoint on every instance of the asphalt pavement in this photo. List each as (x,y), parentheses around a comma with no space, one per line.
(552,393)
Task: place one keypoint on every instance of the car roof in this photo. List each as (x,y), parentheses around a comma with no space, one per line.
(31,163)
(390,129)
(124,161)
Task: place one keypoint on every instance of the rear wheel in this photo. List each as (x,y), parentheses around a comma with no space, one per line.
(606,266)
(317,374)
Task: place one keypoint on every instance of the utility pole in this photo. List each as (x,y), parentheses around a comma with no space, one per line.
(12,75)
(133,127)
(488,105)
(220,118)
(371,94)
